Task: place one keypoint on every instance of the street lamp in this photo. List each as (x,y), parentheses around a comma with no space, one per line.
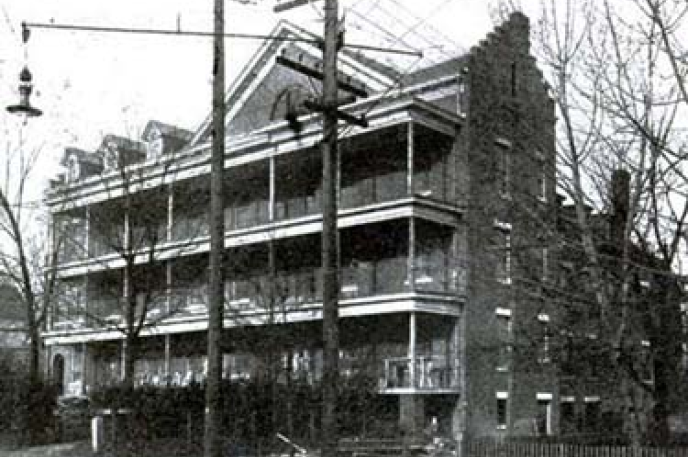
(25,88)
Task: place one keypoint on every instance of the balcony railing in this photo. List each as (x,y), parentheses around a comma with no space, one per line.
(281,292)
(432,372)
(374,189)
(189,227)
(189,300)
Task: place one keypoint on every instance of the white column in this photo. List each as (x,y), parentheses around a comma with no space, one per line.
(84,367)
(409,159)
(126,240)
(412,350)
(170,213)
(122,360)
(87,230)
(168,356)
(411,259)
(168,287)
(272,190)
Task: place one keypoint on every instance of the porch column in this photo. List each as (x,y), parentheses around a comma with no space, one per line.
(87,236)
(127,229)
(412,351)
(272,186)
(411,259)
(85,310)
(170,213)
(168,288)
(85,375)
(122,359)
(168,357)
(409,159)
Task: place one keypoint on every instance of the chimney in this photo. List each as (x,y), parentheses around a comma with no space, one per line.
(620,202)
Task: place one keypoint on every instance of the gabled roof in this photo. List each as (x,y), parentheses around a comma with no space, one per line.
(251,98)
(166,130)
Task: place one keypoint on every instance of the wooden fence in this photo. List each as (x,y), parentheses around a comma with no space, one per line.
(525,449)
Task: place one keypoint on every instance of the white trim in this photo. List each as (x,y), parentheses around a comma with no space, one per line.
(591,399)
(501,225)
(544,396)
(543,317)
(502,395)
(503,142)
(504,312)
(567,399)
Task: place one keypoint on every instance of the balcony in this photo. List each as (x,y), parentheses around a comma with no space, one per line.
(281,292)
(374,189)
(425,373)
(189,300)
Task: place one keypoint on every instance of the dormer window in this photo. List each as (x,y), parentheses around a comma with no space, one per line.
(73,169)
(111,156)
(155,145)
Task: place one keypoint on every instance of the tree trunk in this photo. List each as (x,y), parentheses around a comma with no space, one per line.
(129,355)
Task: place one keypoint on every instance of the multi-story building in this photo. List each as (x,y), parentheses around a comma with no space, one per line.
(441,203)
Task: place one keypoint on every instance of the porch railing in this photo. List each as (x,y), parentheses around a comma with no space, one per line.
(432,372)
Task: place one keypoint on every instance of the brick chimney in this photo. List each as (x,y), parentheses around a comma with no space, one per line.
(620,204)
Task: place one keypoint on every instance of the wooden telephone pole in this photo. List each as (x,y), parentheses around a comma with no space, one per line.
(330,240)
(212,440)
(329,106)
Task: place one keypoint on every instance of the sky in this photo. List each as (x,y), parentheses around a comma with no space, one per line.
(92,84)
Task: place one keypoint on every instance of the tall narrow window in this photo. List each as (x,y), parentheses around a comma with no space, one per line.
(545,264)
(504,166)
(591,414)
(544,351)
(502,409)
(567,421)
(541,180)
(503,254)
(504,339)
(513,79)
(543,418)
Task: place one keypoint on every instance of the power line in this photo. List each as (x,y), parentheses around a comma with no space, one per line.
(150,31)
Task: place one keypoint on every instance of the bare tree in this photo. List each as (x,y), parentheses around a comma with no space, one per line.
(23,260)
(125,234)
(617,80)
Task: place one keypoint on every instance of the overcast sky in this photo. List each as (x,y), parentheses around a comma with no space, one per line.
(91,84)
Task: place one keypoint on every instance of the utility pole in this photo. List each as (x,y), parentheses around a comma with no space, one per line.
(330,239)
(329,106)
(212,442)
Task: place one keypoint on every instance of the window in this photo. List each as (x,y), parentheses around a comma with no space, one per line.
(543,419)
(544,349)
(504,328)
(591,414)
(513,79)
(504,166)
(541,181)
(568,415)
(502,409)
(540,176)
(545,264)
(503,255)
